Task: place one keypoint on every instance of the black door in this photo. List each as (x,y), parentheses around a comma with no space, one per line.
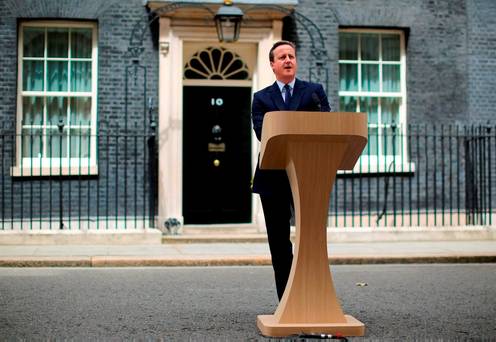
(216,155)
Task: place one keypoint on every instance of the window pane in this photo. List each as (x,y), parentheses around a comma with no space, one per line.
(46,54)
(370,77)
(81,43)
(57,76)
(80,111)
(32,75)
(371,148)
(34,42)
(370,47)
(32,110)
(390,108)
(348,77)
(348,46)
(375,65)
(391,141)
(56,110)
(57,143)
(348,104)
(80,76)
(370,105)
(31,143)
(391,78)
(80,143)
(390,47)
(58,42)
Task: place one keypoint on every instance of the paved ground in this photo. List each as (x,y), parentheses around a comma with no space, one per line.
(239,253)
(449,302)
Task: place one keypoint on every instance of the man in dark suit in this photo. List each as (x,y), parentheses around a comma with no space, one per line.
(287,93)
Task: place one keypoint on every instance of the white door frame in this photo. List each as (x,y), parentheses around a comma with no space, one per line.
(170,111)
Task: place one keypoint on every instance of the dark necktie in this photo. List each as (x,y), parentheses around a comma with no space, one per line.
(287,96)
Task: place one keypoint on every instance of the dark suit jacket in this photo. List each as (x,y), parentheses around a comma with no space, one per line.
(306,96)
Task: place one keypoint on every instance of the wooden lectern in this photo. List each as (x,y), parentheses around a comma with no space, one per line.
(311,146)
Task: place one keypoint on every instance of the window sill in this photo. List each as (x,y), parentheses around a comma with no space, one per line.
(400,168)
(24,171)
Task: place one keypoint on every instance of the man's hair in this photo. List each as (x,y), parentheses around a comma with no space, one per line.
(277,44)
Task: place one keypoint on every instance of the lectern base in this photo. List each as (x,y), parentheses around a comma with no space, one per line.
(269,327)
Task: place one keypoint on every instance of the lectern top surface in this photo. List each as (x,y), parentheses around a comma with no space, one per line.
(283,127)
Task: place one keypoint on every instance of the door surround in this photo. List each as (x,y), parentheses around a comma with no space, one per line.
(172,41)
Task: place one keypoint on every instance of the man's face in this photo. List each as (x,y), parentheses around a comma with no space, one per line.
(284,64)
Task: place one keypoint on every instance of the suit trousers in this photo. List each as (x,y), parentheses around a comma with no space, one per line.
(277,213)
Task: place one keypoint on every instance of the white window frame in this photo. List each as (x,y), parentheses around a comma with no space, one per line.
(382,163)
(66,166)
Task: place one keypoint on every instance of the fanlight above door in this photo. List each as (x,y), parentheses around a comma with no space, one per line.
(216,63)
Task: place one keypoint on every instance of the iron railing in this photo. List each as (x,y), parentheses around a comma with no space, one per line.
(420,175)
(103,181)
(424,175)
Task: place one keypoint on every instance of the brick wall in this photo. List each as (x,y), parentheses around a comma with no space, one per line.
(437,78)
(120,163)
(451,74)
(481,18)
(451,58)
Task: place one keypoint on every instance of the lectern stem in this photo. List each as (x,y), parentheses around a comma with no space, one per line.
(310,294)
